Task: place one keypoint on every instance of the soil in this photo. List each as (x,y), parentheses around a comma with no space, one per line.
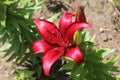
(100,13)
(6,69)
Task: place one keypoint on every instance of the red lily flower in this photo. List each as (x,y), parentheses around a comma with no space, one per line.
(56,41)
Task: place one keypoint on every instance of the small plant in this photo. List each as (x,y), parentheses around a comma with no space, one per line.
(16,28)
(17,31)
(94,67)
(82,61)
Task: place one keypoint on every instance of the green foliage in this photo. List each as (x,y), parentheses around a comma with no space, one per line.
(24,75)
(2,14)
(17,28)
(94,67)
(17,32)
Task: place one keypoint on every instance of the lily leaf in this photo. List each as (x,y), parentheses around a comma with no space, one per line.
(107,52)
(3,14)
(85,36)
(54,17)
(28,72)
(93,38)
(113,60)
(68,66)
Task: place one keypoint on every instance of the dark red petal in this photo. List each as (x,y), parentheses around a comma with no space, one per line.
(75,54)
(75,26)
(65,22)
(80,16)
(41,46)
(48,31)
(50,57)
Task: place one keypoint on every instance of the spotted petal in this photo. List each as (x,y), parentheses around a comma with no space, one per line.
(65,22)
(74,27)
(41,46)
(50,57)
(48,31)
(75,54)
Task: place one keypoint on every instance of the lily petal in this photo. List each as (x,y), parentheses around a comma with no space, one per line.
(65,22)
(75,54)
(75,26)
(41,46)
(48,31)
(50,57)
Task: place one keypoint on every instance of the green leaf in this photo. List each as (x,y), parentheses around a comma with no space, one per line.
(15,24)
(25,57)
(37,5)
(32,57)
(118,77)
(89,66)
(21,52)
(15,46)
(93,38)
(93,57)
(8,2)
(24,3)
(109,76)
(76,70)
(86,47)
(16,43)
(23,74)
(83,73)
(20,75)
(100,75)
(28,73)
(32,78)
(107,52)
(113,60)
(4,38)
(54,17)
(99,52)
(85,36)
(3,8)
(68,66)
(38,69)
(24,24)
(105,67)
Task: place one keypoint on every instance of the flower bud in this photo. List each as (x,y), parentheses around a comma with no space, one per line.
(80,16)
(77,37)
